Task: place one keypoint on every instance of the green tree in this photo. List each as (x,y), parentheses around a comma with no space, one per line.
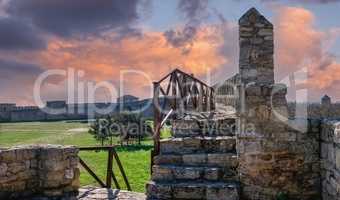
(128,126)
(100,130)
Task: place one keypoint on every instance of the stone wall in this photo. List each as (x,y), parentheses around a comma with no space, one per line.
(74,111)
(330,160)
(314,110)
(39,171)
(276,160)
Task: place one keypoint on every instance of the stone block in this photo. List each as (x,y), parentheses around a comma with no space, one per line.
(188,191)
(161,173)
(187,173)
(159,191)
(168,159)
(3,169)
(265,32)
(222,193)
(8,155)
(194,159)
(171,145)
(212,174)
(222,160)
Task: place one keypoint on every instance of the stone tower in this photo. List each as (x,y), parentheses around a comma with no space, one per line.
(275,160)
(326,101)
(256,48)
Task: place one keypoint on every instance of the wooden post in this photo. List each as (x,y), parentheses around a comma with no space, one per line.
(212,100)
(109,169)
(200,98)
(120,166)
(156,123)
(174,92)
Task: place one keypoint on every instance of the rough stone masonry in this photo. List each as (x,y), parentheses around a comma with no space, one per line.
(330,159)
(39,172)
(275,159)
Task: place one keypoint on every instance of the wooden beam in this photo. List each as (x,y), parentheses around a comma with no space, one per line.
(120,166)
(101,183)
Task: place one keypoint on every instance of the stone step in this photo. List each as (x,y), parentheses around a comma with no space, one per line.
(173,173)
(225,160)
(193,191)
(187,145)
(191,127)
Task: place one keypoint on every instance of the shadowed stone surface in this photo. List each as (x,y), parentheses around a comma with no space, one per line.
(93,193)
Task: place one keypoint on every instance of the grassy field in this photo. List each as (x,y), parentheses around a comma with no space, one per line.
(135,158)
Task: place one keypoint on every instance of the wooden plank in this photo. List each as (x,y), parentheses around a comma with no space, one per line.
(169,85)
(174,91)
(157,118)
(101,183)
(120,166)
(115,180)
(165,77)
(162,91)
(179,71)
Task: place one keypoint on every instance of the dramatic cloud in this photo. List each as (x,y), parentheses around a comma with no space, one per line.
(65,17)
(18,35)
(300,45)
(16,81)
(297,40)
(104,59)
(194,12)
(200,49)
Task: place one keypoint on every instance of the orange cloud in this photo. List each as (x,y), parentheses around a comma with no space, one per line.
(103,58)
(296,38)
(299,44)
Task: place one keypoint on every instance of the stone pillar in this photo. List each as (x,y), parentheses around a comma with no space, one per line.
(256,48)
(275,160)
(326,104)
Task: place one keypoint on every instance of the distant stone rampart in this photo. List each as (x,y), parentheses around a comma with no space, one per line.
(63,111)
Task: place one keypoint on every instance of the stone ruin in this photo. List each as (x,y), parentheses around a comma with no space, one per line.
(49,172)
(266,155)
(39,172)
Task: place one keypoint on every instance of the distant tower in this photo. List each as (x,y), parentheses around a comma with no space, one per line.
(326,100)
(256,62)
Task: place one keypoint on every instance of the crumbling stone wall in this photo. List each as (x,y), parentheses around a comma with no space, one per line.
(39,171)
(330,159)
(276,159)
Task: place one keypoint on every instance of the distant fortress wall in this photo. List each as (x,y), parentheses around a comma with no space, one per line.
(324,109)
(60,110)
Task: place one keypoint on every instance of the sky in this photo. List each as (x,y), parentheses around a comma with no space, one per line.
(71,49)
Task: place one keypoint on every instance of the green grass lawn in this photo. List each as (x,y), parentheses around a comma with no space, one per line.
(135,158)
